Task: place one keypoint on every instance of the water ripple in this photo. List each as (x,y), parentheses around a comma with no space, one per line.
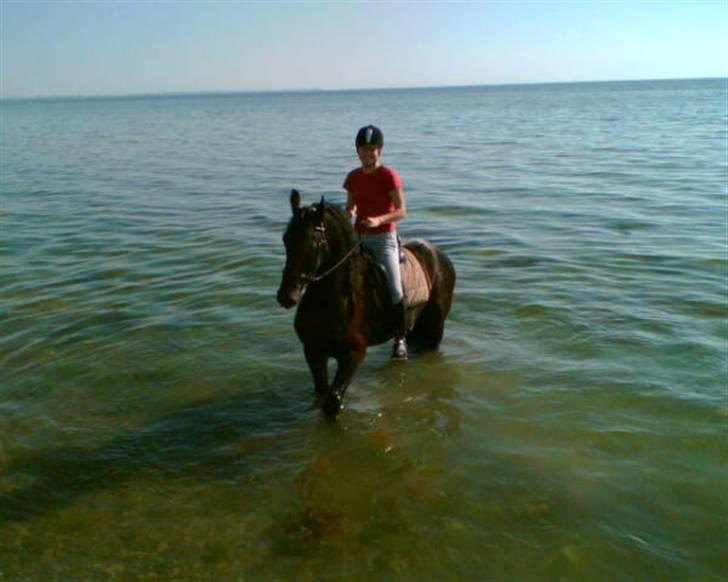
(148,376)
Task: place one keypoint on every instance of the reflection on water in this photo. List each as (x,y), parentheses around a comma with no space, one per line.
(305,486)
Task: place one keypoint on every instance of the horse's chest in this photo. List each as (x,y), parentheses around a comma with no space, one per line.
(320,322)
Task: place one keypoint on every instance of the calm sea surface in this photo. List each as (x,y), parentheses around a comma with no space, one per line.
(155,406)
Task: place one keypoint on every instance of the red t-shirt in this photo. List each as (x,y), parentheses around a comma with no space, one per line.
(371,195)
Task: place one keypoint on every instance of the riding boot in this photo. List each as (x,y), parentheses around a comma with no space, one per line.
(399,349)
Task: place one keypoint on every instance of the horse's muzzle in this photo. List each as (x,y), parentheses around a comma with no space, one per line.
(288,297)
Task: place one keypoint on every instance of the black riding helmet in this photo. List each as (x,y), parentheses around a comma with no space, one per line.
(370,135)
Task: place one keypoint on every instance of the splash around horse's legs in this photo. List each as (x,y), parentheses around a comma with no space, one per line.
(332,405)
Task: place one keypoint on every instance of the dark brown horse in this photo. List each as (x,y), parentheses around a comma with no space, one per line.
(346,305)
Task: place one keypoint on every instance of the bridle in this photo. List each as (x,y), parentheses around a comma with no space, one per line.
(320,243)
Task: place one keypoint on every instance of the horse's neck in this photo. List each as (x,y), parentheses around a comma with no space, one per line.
(342,246)
(369,280)
(351,275)
(357,277)
(338,264)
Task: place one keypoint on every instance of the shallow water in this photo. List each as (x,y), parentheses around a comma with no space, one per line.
(156,411)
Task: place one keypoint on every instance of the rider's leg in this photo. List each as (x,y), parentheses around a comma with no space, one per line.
(385,248)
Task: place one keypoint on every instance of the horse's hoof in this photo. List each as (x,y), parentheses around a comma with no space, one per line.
(332,406)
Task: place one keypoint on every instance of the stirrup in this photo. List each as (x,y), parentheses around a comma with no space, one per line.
(399,350)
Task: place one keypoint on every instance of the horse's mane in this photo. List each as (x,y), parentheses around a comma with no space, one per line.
(339,224)
(340,231)
(338,218)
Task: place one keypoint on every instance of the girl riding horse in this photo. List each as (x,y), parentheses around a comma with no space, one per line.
(376,198)
(344,299)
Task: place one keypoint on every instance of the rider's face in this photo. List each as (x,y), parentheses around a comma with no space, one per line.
(369,155)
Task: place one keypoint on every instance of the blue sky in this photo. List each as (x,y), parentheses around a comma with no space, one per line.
(114,47)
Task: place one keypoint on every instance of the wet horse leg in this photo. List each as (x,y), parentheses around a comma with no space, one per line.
(346,366)
(317,361)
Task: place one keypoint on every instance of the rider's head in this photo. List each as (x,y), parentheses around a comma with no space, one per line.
(369,144)
(369,135)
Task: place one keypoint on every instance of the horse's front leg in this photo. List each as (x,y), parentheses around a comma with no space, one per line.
(347,364)
(317,362)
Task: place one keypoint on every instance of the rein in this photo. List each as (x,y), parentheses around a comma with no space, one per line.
(315,278)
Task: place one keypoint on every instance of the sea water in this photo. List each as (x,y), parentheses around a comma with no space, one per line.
(156,415)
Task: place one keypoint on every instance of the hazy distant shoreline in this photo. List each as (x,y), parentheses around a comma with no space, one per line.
(254,92)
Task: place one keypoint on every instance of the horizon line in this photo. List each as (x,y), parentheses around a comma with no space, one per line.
(242,92)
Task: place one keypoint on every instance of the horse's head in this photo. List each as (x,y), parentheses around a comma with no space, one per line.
(306,249)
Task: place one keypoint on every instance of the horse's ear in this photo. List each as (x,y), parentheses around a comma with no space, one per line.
(295,201)
(321,210)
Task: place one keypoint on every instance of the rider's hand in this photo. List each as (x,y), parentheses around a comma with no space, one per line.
(371,222)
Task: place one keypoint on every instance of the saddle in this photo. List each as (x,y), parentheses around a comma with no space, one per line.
(416,282)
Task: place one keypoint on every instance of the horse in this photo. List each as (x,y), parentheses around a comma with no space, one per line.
(343,300)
